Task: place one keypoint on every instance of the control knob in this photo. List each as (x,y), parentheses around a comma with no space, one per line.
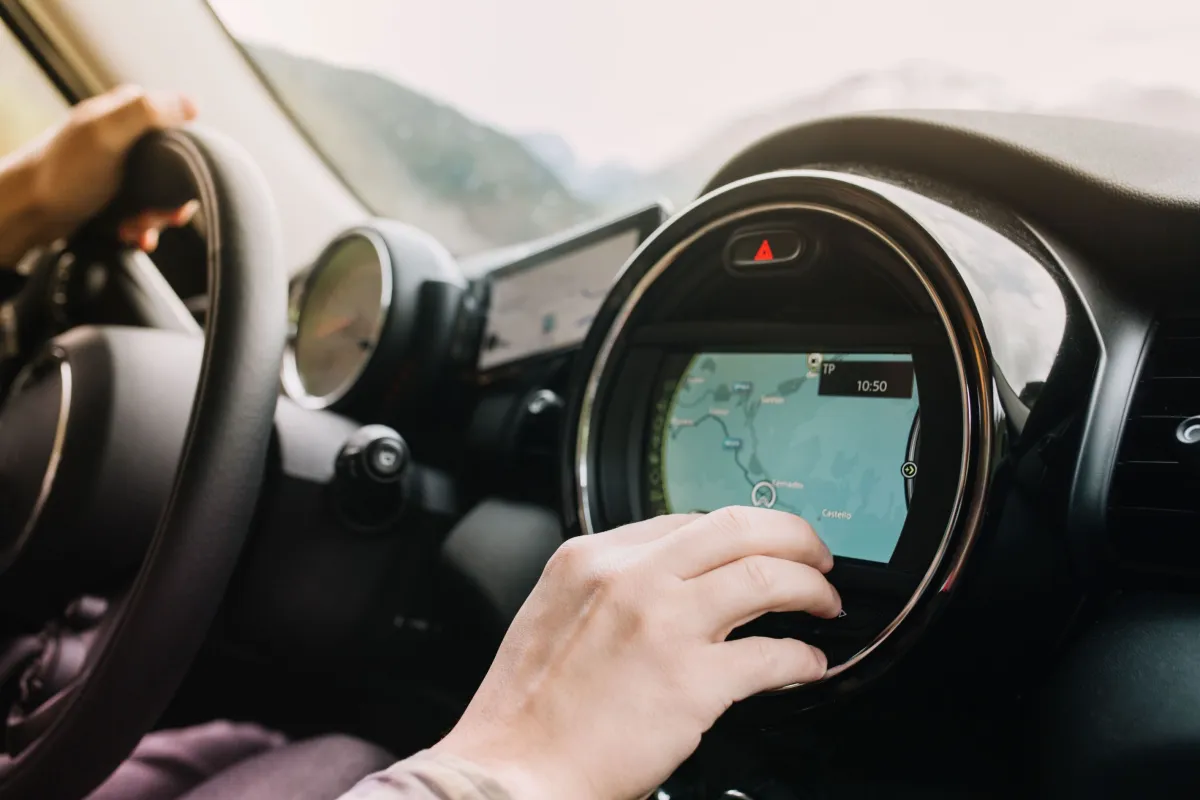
(370,471)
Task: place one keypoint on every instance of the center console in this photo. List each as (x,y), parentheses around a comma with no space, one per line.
(874,353)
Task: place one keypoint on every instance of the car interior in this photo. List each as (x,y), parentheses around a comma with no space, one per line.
(303,464)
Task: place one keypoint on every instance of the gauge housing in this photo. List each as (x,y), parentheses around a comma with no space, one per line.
(304,315)
(421,290)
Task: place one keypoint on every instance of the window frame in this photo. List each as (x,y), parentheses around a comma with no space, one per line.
(285,108)
(47,57)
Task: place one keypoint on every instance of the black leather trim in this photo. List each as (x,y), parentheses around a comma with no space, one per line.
(1122,194)
(163,620)
(1121,711)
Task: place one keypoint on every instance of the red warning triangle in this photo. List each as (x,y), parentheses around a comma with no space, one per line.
(764,252)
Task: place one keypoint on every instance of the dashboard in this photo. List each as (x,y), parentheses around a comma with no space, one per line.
(922,333)
(547,304)
(827,342)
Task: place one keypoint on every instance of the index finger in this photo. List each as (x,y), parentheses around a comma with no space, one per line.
(733,533)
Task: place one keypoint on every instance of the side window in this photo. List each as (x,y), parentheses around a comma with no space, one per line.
(29,102)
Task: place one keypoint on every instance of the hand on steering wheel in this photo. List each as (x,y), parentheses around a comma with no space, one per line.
(618,661)
(73,171)
(74,739)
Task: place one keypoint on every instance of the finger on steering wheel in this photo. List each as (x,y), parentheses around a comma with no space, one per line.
(142,231)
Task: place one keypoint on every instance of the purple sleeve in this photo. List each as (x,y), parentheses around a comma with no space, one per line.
(428,776)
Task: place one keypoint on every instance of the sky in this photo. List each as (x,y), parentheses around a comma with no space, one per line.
(638,80)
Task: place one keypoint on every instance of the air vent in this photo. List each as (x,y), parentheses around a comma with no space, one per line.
(1154,500)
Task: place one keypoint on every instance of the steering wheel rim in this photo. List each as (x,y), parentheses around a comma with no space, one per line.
(156,630)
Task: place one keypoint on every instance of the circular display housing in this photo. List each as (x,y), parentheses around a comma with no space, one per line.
(787,376)
(341,314)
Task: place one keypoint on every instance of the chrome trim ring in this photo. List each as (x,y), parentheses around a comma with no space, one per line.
(56,450)
(910,455)
(972,417)
(290,373)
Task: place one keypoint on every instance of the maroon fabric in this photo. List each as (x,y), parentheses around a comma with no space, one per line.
(168,763)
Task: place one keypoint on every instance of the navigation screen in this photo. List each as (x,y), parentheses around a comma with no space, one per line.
(550,305)
(831,437)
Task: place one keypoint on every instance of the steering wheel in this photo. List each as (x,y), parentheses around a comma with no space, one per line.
(148,641)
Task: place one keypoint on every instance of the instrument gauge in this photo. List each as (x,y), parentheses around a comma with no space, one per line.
(340,316)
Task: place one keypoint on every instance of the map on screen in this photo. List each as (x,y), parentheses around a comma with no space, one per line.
(760,429)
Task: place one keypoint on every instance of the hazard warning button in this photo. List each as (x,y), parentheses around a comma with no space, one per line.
(764,248)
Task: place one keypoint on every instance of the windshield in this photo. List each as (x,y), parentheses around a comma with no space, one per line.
(490,123)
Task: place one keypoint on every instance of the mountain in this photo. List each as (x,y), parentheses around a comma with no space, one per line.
(917,85)
(555,152)
(476,187)
(412,158)
(1163,106)
(605,185)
